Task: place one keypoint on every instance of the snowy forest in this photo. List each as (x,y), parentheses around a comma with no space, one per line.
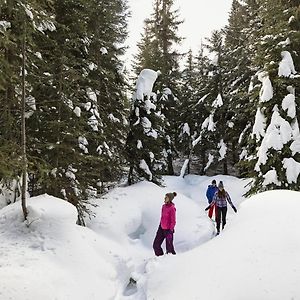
(79,124)
(89,124)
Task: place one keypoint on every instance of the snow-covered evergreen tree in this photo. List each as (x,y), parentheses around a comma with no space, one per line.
(239,70)
(192,110)
(21,21)
(186,116)
(276,127)
(157,51)
(144,142)
(76,97)
(212,137)
(107,33)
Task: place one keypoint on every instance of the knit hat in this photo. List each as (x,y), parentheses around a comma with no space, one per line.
(221,185)
(171,195)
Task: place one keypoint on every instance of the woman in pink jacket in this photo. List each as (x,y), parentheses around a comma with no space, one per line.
(166,226)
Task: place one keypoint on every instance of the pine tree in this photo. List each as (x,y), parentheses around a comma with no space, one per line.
(21,21)
(75,96)
(213,134)
(157,52)
(83,102)
(107,79)
(187,99)
(144,140)
(145,56)
(191,108)
(276,127)
(240,44)
(199,110)
(54,128)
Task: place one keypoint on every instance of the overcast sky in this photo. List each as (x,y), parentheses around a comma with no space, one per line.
(200,18)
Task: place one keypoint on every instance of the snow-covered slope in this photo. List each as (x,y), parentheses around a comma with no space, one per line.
(256,256)
(53,258)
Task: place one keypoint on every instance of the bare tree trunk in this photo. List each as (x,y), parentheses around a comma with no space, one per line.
(130,175)
(225,167)
(23,133)
(203,156)
(170,164)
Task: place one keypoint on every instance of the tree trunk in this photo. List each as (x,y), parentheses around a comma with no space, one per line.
(23,133)
(225,168)
(130,175)
(235,157)
(202,171)
(170,164)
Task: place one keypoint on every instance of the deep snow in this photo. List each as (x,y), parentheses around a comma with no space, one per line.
(256,256)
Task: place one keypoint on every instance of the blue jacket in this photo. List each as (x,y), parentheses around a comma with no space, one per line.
(211,190)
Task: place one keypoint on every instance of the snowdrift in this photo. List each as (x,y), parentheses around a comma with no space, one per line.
(53,258)
(255,257)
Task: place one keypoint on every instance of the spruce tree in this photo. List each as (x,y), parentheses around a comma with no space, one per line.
(186,117)
(192,111)
(276,127)
(157,51)
(145,56)
(214,128)
(144,141)
(107,30)
(198,109)
(54,126)
(75,96)
(10,41)
(240,45)
(84,102)
(20,21)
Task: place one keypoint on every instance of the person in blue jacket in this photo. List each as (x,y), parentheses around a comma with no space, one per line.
(220,200)
(211,190)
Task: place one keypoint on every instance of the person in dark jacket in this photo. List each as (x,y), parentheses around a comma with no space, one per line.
(210,192)
(220,199)
(166,226)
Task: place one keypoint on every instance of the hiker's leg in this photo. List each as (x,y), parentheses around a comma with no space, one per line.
(211,210)
(218,218)
(224,217)
(159,238)
(169,242)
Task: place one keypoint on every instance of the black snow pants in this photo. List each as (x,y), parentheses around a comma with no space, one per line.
(221,217)
(161,235)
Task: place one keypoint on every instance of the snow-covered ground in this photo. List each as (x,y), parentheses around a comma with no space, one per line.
(256,256)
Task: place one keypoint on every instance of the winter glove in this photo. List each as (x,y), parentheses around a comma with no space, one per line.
(208,207)
(233,207)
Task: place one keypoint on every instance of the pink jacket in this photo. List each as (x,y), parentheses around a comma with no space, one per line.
(168,216)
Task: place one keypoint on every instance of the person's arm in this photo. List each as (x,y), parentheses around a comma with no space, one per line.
(230,202)
(212,202)
(172,218)
(207,194)
(228,199)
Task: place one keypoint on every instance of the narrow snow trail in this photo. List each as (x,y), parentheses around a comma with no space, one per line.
(192,230)
(113,258)
(130,217)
